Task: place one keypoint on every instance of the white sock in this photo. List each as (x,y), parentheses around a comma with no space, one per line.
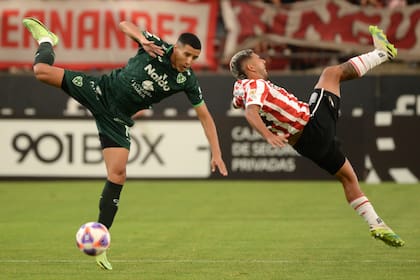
(365,62)
(45,40)
(364,208)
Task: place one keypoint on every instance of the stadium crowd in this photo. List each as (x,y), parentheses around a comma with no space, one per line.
(286,56)
(292,57)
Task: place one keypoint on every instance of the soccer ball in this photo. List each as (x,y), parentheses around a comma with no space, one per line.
(93,238)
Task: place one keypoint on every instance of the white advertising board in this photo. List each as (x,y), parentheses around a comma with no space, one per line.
(70,148)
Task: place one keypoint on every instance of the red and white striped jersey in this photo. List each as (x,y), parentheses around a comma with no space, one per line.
(279,109)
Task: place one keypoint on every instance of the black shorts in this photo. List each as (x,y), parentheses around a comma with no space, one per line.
(318,141)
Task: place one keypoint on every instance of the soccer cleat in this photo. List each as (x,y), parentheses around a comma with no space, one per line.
(103,262)
(39,30)
(381,42)
(387,235)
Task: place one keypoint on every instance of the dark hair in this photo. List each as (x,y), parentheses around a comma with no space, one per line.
(190,39)
(237,61)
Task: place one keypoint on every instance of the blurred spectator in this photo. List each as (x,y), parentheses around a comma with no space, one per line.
(368,3)
(278,3)
(395,4)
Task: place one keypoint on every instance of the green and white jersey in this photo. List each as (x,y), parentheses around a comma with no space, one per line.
(145,81)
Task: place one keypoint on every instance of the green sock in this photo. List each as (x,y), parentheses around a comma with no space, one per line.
(108,203)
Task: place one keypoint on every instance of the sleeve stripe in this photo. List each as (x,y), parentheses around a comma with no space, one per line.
(199,104)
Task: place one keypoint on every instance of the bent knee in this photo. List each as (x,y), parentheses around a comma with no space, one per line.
(330,79)
(117,176)
(332,72)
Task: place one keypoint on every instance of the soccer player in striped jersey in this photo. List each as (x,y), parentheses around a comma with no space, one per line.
(157,71)
(311,127)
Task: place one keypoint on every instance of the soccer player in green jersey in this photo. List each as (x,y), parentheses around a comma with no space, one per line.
(157,71)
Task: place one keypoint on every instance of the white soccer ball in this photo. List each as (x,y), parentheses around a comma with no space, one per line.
(93,238)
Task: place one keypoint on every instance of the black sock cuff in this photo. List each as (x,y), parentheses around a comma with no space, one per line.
(112,185)
(111,190)
(45,54)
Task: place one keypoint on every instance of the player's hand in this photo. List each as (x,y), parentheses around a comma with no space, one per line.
(152,49)
(220,164)
(278,140)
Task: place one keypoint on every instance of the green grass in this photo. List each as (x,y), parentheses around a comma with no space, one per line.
(208,230)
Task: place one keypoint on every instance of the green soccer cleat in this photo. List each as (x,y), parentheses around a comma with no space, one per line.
(103,262)
(381,42)
(39,30)
(387,235)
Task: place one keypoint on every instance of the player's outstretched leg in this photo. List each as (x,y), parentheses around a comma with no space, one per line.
(381,42)
(384,51)
(387,235)
(103,262)
(39,31)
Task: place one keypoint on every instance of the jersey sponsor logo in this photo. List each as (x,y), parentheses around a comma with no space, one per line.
(78,81)
(141,88)
(148,85)
(159,79)
(180,78)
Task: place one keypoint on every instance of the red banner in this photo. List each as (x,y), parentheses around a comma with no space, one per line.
(333,25)
(89,33)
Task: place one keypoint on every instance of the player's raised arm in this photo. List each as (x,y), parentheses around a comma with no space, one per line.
(136,34)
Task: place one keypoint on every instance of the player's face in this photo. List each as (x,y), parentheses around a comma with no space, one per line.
(259,66)
(183,57)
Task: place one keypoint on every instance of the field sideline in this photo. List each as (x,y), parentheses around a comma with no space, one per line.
(209,230)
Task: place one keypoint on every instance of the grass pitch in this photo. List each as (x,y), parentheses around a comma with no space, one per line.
(208,230)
